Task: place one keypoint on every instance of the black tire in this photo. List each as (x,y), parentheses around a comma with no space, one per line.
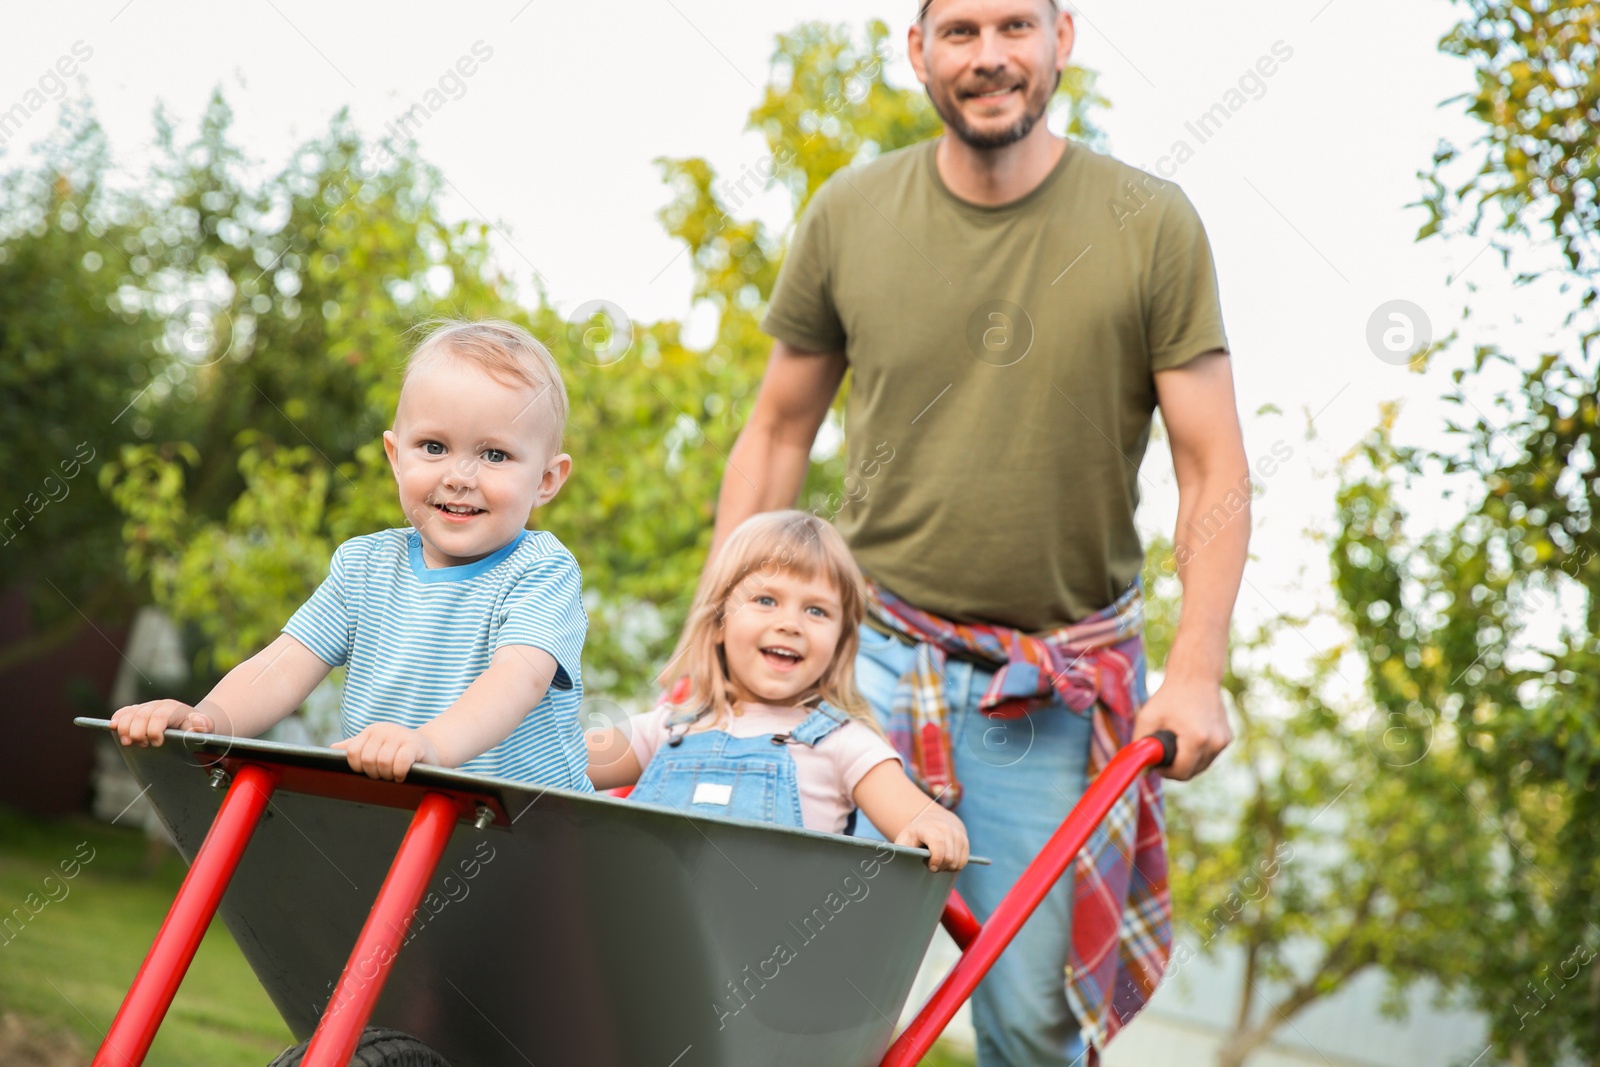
(377,1048)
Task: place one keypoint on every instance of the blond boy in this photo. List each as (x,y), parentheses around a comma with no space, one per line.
(461,634)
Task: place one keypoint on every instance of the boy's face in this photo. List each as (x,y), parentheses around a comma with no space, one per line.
(473,457)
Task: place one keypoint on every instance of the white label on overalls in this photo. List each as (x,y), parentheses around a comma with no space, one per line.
(712,793)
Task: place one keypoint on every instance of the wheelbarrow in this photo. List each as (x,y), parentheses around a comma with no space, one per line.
(497,923)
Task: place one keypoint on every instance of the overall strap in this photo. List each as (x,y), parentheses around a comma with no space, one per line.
(819,724)
(678,725)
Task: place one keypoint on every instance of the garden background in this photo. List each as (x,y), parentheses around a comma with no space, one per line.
(209,266)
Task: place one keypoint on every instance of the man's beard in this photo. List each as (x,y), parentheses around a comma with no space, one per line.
(955,122)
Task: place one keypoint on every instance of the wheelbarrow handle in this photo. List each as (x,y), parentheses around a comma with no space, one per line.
(984,944)
(1169,748)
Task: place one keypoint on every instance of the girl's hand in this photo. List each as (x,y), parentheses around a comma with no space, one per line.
(387,750)
(146,724)
(942,834)
(908,816)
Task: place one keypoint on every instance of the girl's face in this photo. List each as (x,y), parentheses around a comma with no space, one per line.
(778,634)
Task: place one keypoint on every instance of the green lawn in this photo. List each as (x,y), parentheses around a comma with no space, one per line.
(69,966)
(945,1057)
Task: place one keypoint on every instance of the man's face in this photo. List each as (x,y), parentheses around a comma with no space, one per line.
(991,66)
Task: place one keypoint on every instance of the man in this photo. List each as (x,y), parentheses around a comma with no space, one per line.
(1012,324)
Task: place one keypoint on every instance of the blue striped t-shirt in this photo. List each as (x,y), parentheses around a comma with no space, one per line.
(412,638)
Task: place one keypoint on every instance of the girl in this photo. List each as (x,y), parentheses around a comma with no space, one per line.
(767,723)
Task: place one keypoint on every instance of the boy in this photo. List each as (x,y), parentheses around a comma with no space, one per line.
(462,634)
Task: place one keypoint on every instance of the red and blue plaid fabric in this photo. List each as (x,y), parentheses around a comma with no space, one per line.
(1121,911)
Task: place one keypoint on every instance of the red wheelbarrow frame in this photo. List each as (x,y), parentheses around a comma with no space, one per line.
(437,813)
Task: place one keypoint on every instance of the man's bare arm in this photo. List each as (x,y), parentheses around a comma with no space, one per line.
(768,464)
(1197,405)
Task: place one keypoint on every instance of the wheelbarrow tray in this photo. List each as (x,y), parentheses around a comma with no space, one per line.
(577,928)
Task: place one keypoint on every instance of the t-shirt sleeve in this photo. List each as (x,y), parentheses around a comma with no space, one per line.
(1183,316)
(646,732)
(859,750)
(544,609)
(802,312)
(325,623)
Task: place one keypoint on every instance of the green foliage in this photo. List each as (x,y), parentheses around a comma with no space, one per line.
(1538,92)
(70,361)
(1327,844)
(1482,631)
(1456,625)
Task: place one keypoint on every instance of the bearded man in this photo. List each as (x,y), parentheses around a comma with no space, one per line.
(1011,325)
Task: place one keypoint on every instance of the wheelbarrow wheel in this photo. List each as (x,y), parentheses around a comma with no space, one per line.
(377,1048)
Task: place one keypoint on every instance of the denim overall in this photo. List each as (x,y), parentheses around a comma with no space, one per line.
(714,773)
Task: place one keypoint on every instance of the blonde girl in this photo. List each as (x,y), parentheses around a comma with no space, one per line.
(767,723)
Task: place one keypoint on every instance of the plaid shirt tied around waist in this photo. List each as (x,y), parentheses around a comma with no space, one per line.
(1121,910)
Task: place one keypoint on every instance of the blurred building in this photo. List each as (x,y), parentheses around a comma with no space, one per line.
(46,763)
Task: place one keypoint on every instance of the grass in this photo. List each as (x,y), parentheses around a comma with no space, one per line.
(67,968)
(943,1056)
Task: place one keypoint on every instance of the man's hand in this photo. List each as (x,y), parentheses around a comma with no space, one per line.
(1193,710)
(387,750)
(146,724)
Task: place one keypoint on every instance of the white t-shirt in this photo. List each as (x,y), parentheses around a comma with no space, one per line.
(827,772)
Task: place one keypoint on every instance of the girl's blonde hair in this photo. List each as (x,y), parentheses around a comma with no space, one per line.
(760,547)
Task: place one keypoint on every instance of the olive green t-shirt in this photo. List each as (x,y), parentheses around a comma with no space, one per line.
(1001,373)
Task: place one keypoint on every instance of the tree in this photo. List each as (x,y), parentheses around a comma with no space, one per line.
(286,312)
(309,285)
(1484,629)
(71,359)
(1318,851)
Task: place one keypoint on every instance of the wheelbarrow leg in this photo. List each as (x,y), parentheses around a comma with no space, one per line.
(959,922)
(357,992)
(132,1031)
(981,946)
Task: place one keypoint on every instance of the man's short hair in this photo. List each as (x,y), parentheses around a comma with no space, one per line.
(924,5)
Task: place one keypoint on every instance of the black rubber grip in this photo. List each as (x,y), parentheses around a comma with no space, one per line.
(1169,747)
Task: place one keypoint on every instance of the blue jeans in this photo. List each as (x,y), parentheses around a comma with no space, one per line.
(1019,778)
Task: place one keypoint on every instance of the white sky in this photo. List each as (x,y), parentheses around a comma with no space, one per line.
(1303,192)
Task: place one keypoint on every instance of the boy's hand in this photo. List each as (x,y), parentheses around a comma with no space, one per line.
(387,750)
(146,724)
(942,834)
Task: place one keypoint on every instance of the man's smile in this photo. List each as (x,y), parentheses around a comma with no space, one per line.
(992,94)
